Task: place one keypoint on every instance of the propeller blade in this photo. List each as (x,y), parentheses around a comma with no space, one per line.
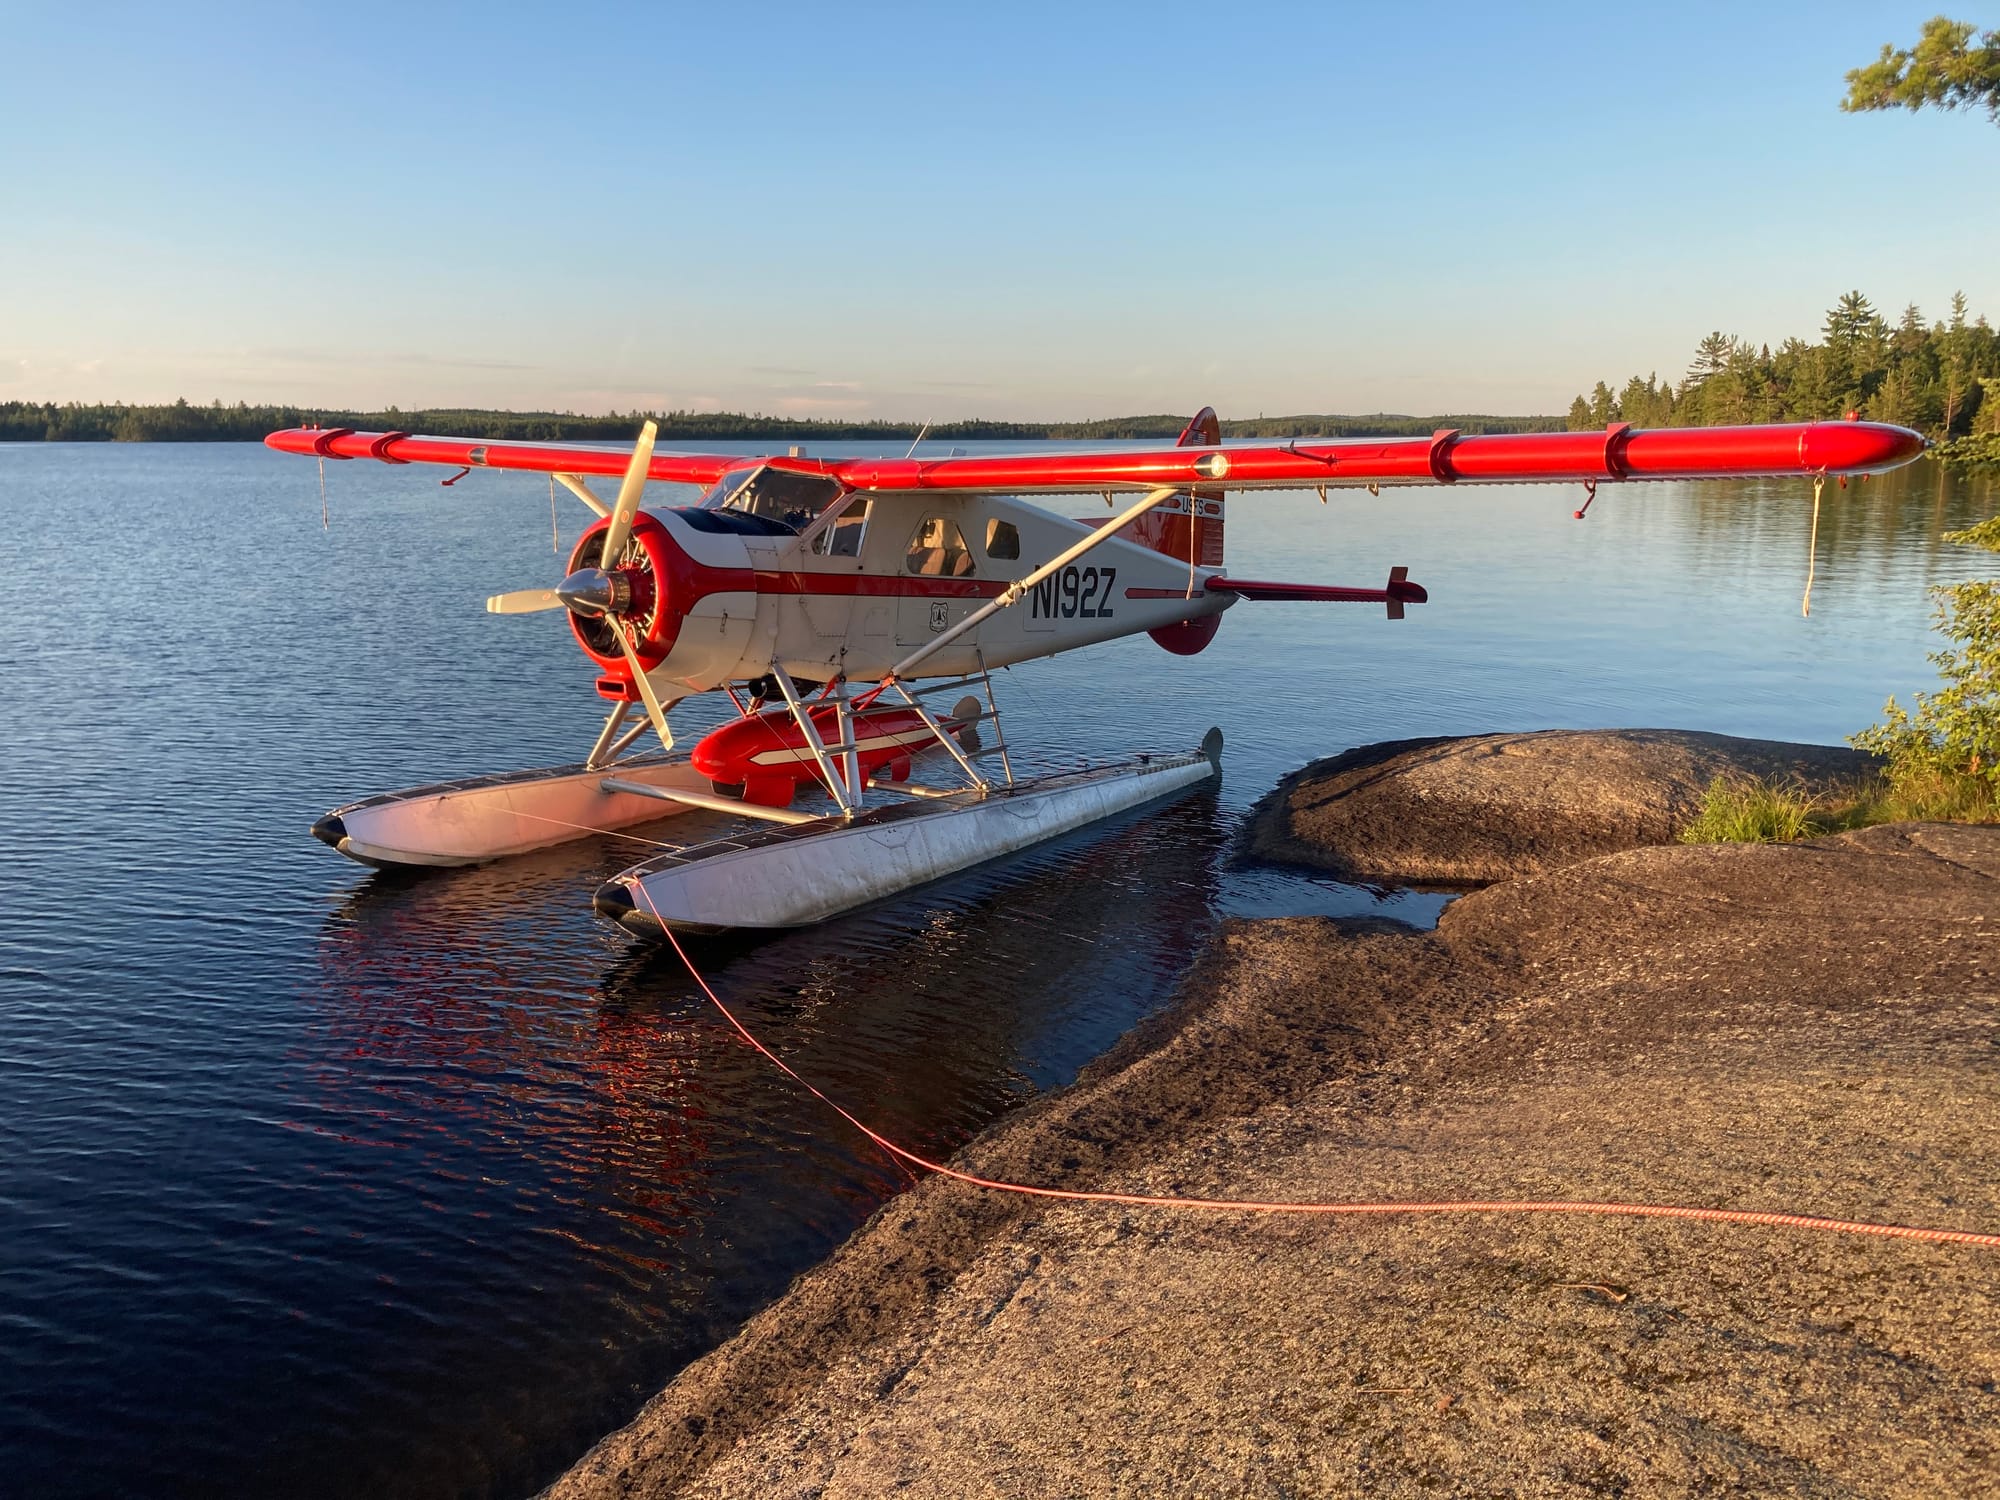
(523,602)
(653,710)
(629,491)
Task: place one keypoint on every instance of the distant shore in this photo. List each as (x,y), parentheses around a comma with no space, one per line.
(185,422)
(1804,1028)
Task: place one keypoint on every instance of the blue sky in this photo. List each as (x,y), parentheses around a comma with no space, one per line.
(1016,210)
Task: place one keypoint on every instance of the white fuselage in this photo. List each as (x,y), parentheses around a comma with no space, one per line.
(867,594)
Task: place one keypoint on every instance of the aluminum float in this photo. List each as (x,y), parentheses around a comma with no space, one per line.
(794,876)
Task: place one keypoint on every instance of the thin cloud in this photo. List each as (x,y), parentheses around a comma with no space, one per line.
(805,406)
(326,358)
(647,398)
(458,364)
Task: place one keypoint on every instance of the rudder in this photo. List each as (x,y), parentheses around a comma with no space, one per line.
(1187,528)
(1205,509)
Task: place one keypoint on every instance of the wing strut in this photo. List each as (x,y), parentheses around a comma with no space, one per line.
(578,488)
(1015,592)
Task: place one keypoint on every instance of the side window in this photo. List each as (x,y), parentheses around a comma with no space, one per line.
(1003,540)
(843,537)
(938,550)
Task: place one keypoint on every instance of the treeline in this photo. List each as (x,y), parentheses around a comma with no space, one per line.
(181,422)
(1374,424)
(1941,378)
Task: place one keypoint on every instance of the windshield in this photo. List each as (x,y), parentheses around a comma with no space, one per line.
(719,492)
(775,494)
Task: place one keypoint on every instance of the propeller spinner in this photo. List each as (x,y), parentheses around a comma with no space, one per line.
(606,594)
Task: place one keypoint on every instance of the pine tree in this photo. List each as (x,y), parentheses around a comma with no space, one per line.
(1849,320)
(1943,70)
(1711,357)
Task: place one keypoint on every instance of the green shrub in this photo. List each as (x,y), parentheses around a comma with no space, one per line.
(1946,750)
(1971,455)
(1929,798)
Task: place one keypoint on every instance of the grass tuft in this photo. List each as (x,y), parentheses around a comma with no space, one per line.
(1754,810)
(1750,810)
(1932,797)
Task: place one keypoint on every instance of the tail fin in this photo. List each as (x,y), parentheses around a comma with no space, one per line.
(1202,431)
(1188,527)
(1204,546)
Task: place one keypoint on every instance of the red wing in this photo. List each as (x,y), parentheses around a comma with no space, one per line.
(541,458)
(1618,453)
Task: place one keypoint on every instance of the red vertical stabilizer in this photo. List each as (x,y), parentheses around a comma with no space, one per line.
(1187,528)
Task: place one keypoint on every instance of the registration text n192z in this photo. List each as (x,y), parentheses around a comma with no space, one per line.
(1074,594)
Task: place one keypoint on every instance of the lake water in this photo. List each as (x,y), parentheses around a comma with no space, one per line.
(317,1182)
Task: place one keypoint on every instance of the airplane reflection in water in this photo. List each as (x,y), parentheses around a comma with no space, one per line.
(471,1015)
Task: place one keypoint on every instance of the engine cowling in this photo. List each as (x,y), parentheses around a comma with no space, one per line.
(658,580)
(644,568)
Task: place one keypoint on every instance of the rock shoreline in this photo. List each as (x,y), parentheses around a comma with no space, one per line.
(1809,1028)
(1464,812)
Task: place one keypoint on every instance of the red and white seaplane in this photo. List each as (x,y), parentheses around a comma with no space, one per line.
(836,601)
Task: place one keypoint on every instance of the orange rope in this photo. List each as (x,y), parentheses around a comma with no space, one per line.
(1232,1205)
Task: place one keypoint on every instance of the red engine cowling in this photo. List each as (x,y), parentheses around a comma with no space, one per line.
(767,756)
(648,563)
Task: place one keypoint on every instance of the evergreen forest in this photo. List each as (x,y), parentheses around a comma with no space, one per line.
(182,422)
(1941,378)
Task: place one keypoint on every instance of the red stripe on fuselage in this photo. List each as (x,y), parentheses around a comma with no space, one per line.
(878,585)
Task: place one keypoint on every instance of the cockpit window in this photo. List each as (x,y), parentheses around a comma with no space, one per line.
(775,494)
(843,537)
(938,550)
(717,494)
(1003,540)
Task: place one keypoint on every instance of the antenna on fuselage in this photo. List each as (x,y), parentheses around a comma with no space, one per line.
(918,439)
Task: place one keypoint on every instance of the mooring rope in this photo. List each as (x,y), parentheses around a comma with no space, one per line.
(609,833)
(1257,1206)
(1812,546)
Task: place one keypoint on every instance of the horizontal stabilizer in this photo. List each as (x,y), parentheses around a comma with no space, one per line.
(1398,592)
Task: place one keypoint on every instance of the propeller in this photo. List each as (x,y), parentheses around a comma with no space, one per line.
(603,592)
(653,710)
(629,491)
(523,602)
